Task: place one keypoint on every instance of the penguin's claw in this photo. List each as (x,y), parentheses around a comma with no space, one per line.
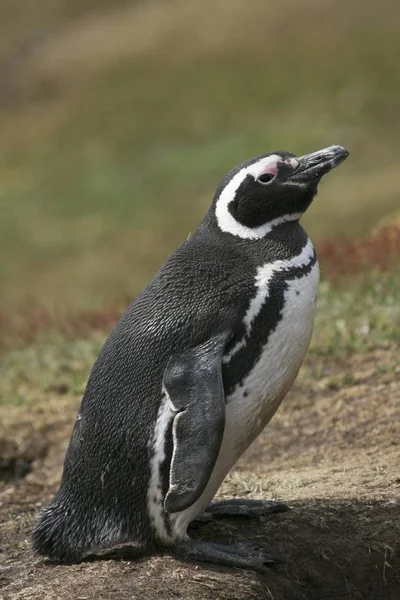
(241,507)
(241,556)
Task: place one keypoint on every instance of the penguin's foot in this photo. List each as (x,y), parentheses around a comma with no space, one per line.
(241,507)
(241,556)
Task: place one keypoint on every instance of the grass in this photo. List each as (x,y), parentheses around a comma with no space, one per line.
(122,122)
(354,316)
(358,315)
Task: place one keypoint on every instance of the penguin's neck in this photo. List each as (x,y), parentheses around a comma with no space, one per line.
(281,243)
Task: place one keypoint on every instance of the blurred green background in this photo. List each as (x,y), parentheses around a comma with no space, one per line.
(118,119)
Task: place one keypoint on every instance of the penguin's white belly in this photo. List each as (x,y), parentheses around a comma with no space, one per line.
(251,406)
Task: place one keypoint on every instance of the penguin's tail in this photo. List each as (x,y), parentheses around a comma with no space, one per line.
(57,535)
(67,534)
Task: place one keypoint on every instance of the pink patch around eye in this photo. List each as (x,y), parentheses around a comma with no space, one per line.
(269,170)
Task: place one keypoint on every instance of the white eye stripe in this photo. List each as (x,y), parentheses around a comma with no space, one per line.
(227,222)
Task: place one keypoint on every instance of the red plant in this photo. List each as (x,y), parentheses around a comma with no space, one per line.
(380,250)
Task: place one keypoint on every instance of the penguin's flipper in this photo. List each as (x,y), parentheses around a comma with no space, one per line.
(193,383)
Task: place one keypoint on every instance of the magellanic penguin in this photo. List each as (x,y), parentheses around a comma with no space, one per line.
(192,373)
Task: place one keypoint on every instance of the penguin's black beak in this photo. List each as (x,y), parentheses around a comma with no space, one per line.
(313,166)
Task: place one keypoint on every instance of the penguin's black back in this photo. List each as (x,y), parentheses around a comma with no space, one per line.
(204,287)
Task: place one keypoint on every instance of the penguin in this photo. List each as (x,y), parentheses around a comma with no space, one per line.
(192,373)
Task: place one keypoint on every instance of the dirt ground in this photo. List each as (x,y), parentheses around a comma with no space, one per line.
(331,452)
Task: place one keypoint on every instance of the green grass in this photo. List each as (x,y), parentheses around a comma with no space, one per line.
(58,365)
(354,317)
(124,122)
(359,314)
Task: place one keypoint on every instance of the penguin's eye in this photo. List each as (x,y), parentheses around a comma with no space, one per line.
(265,178)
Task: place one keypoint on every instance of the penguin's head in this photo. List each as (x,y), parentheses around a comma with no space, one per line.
(271,189)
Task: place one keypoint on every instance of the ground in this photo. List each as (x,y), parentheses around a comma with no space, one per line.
(331,452)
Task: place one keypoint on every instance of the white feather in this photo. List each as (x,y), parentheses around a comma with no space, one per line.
(157,445)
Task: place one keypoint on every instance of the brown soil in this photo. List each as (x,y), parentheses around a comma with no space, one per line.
(331,452)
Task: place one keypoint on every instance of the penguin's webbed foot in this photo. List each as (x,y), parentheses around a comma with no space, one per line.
(241,507)
(241,556)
